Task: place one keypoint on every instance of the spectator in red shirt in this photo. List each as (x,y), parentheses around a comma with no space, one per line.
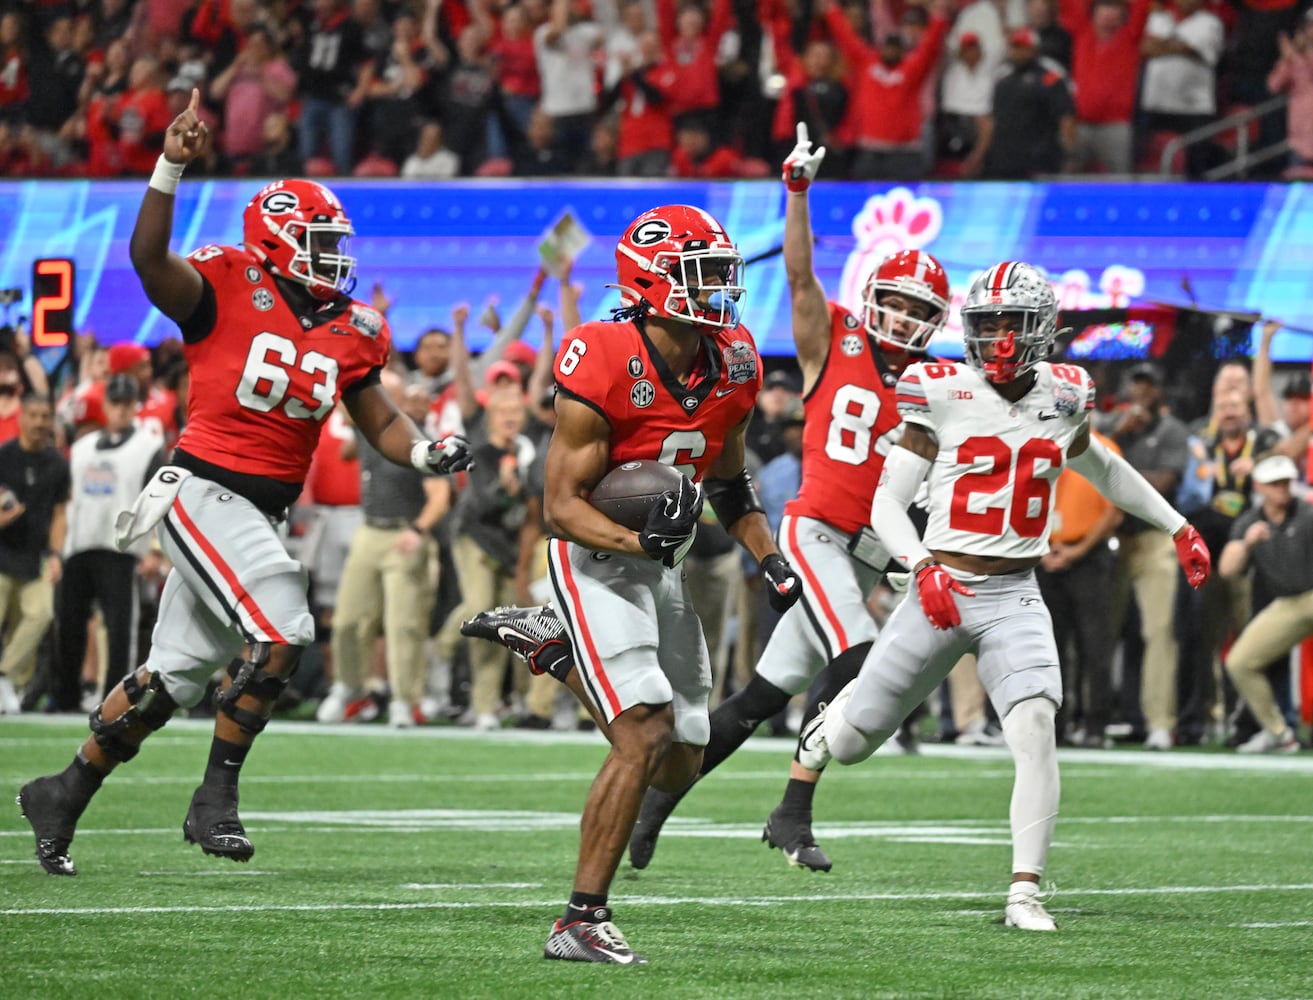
(814,93)
(1105,70)
(692,43)
(257,84)
(516,67)
(696,156)
(137,121)
(1294,73)
(13,67)
(885,114)
(645,130)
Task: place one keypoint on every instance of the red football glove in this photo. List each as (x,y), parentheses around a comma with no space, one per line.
(936,586)
(801,166)
(1192,554)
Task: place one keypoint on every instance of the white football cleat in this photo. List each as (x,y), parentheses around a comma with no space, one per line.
(1026,912)
(333,707)
(1158,739)
(813,751)
(1265,741)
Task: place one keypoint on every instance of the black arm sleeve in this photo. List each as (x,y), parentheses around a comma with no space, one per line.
(372,377)
(200,323)
(731,499)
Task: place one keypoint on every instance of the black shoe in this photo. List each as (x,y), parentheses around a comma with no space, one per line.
(582,941)
(657,807)
(792,834)
(533,722)
(46,804)
(212,822)
(526,632)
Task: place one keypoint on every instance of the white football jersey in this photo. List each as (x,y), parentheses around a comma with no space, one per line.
(991,485)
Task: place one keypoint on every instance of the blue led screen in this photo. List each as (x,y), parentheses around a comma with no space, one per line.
(1242,247)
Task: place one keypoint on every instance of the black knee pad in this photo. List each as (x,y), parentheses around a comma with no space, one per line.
(249,676)
(150,707)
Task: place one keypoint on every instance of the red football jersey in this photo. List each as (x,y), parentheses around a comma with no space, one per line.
(334,481)
(264,380)
(851,423)
(613,368)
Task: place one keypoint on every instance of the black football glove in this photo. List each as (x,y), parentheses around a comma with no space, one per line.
(672,523)
(451,454)
(783,585)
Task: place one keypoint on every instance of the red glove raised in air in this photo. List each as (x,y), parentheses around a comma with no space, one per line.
(1192,554)
(936,586)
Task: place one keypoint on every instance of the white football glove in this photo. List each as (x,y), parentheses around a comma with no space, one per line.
(441,458)
(801,166)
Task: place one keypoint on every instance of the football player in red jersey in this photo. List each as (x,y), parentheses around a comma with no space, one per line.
(273,340)
(850,366)
(673,378)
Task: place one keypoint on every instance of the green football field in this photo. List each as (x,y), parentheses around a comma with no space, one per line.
(431,863)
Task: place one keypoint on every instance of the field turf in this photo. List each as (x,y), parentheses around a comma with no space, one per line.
(430,863)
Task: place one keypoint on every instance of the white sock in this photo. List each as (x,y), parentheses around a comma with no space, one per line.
(1029,731)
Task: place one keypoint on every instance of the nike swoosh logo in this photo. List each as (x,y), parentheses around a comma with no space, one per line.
(670,543)
(1028,601)
(620,958)
(231,763)
(725,392)
(1049,416)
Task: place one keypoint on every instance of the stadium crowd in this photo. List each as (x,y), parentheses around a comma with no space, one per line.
(397,561)
(896,89)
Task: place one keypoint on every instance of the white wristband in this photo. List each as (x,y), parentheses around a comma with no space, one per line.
(166,176)
(419,455)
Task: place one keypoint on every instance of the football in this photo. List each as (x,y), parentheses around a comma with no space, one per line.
(628,491)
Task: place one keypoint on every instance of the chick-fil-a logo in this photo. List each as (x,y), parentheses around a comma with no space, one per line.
(889,222)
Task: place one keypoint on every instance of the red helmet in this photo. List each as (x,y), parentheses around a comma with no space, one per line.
(301,229)
(677,262)
(910,274)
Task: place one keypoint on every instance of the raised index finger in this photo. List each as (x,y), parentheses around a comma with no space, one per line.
(195,104)
(802,133)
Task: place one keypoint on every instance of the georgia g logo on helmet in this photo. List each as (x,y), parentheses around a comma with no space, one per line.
(279,203)
(649,233)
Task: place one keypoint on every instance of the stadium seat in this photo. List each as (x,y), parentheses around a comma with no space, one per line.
(375,165)
(1152,155)
(497,167)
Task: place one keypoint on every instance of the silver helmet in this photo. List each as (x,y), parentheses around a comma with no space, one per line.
(1022,293)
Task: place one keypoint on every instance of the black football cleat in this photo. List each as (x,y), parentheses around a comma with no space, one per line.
(212,822)
(535,635)
(583,941)
(46,805)
(657,807)
(792,834)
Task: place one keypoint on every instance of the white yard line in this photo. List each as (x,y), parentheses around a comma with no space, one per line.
(1176,760)
(632,901)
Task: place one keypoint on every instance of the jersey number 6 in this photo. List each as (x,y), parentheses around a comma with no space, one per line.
(265,380)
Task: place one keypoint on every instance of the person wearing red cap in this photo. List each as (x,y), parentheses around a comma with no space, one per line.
(1032,128)
(157,407)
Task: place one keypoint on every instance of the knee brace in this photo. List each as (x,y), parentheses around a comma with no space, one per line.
(249,676)
(150,707)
